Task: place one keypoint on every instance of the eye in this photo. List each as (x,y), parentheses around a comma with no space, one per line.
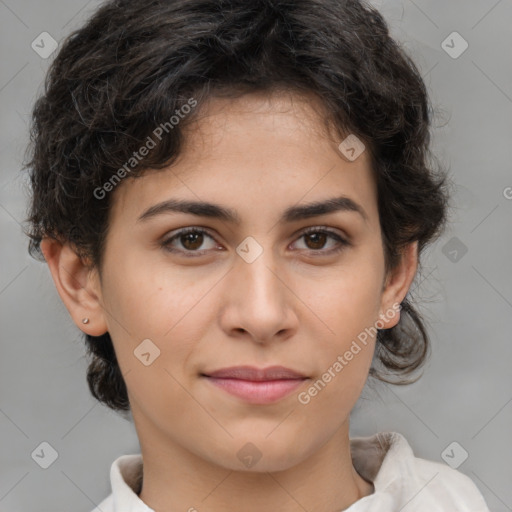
(192,238)
(316,238)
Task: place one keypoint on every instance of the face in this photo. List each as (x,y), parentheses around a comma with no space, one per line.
(254,290)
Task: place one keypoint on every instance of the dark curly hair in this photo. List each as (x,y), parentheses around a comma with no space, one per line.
(134,65)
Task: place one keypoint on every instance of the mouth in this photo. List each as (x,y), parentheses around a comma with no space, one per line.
(254,385)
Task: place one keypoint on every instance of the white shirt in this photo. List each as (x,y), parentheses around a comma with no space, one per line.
(402,481)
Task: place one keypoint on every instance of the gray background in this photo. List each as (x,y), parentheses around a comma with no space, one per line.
(465,394)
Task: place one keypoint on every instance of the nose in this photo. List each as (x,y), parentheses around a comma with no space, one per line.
(258,301)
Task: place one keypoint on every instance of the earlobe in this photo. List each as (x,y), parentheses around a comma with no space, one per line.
(77,286)
(397,285)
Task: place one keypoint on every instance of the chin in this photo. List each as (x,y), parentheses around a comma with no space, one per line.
(259,454)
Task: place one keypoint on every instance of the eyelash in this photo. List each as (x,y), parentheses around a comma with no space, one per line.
(315,229)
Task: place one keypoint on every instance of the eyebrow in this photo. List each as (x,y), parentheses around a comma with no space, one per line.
(291,214)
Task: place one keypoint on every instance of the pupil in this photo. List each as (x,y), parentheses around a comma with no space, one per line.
(190,237)
(319,238)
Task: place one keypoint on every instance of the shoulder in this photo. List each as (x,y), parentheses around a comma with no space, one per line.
(436,484)
(443,484)
(405,482)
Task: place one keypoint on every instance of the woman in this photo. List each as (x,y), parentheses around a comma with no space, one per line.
(232,199)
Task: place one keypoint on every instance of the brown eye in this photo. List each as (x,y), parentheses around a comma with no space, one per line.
(190,239)
(317,238)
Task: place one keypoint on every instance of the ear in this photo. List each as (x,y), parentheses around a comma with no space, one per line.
(78,286)
(396,286)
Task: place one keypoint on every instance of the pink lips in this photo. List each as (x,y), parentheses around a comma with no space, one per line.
(257,386)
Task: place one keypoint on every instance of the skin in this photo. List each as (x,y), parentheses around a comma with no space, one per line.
(296,305)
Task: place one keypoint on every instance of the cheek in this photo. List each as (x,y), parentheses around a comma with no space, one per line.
(173,310)
(153,299)
(155,343)
(348,302)
(346,309)
(343,356)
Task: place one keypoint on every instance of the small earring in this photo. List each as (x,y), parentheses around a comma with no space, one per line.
(85,320)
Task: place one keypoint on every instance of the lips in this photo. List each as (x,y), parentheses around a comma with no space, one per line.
(255,374)
(254,385)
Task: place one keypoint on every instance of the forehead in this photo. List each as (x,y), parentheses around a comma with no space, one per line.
(238,151)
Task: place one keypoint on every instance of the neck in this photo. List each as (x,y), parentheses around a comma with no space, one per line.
(176,479)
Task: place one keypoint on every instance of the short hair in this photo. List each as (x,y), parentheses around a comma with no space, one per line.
(134,65)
